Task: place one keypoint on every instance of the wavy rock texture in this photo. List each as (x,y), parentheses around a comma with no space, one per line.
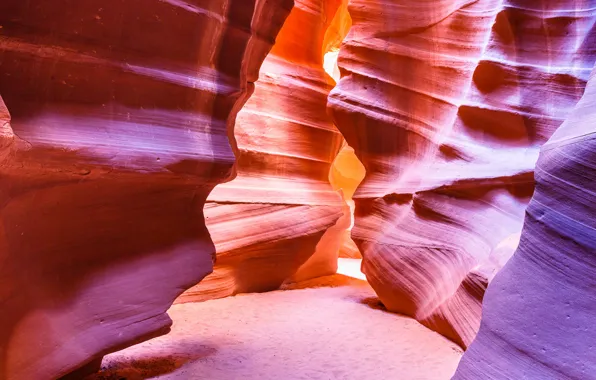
(447,103)
(347,171)
(121,112)
(268,222)
(539,312)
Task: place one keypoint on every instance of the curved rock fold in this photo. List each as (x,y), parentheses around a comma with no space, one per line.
(447,105)
(120,118)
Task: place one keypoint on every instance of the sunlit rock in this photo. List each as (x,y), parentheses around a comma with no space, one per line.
(280,219)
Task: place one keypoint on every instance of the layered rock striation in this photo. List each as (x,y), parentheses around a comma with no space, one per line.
(276,221)
(538,313)
(447,104)
(119,126)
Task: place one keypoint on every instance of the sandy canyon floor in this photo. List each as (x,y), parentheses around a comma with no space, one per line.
(329,328)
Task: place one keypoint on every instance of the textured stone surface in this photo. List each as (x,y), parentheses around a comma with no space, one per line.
(276,220)
(447,103)
(121,113)
(539,312)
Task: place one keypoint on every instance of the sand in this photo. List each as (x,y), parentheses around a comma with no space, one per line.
(331,328)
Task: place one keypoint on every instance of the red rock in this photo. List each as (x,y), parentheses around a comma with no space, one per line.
(117,122)
(539,311)
(121,113)
(275,221)
(447,103)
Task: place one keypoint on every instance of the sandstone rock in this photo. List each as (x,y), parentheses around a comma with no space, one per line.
(447,103)
(346,174)
(121,113)
(539,312)
(272,223)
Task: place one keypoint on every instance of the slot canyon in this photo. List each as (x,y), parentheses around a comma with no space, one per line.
(297,189)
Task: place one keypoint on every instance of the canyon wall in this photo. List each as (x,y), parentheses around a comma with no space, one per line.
(447,103)
(117,125)
(276,221)
(538,313)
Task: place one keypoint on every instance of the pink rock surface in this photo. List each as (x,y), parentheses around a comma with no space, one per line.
(447,103)
(121,113)
(538,313)
(276,220)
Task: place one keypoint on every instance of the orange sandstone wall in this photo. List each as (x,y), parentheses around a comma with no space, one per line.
(270,223)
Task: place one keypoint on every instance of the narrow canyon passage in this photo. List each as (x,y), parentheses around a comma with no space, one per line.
(328,328)
(297,189)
